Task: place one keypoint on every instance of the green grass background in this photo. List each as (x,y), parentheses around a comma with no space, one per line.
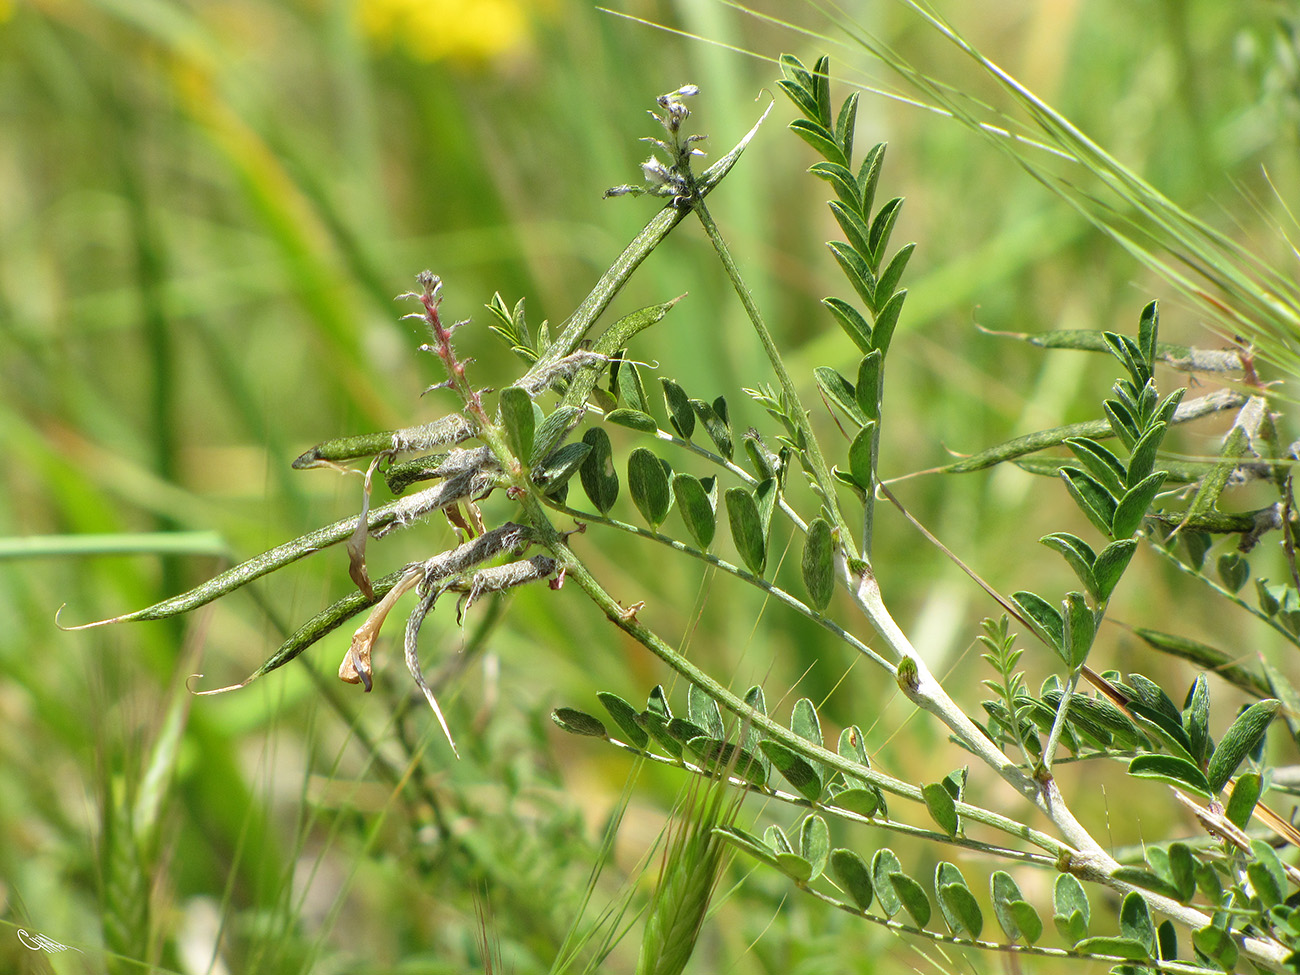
(205,212)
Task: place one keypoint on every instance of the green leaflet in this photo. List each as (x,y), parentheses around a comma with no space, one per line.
(579,723)
(747,529)
(518,420)
(818,563)
(851,873)
(815,843)
(624,716)
(647,482)
(939,803)
(696,508)
(884,865)
(597,473)
(1239,741)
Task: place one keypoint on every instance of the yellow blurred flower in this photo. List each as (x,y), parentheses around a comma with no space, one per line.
(430,30)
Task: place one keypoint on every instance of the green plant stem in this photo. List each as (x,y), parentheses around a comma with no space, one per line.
(756,581)
(893,826)
(650,237)
(1058,725)
(1033,951)
(1232,597)
(626,620)
(924,691)
(812,450)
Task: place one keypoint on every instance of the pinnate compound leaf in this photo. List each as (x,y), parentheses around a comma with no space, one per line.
(746,529)
(696,508)
(818,563)
(625,716)
(1172,770)
(883,865)
(912,896)
(851,873)
(647,482)
(597,473)
(1239,741)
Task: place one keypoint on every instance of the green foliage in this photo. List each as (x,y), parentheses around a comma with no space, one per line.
(508,490)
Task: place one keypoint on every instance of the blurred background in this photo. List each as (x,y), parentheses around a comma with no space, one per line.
(206,210)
